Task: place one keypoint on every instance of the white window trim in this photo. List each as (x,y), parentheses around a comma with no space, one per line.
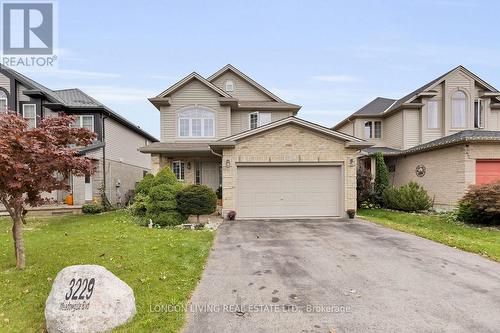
(227,84)
(182,166)
(250,119)
(372,129)
(190,136)
(375,131)
(438,122)
(466,100)
(481,120)
(259,124)
(80,117)
(34,105)
(6,103)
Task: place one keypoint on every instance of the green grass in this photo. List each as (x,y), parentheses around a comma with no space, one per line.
(162,266)
(484,240)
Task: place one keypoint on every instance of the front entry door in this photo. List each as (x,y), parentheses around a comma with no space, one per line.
(88,188)
(210,174)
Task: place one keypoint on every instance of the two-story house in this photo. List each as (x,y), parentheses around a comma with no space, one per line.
(118,163)
(227,131)
(444,135)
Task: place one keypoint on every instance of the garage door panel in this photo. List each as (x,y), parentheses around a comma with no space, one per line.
(281,191)
(487,171)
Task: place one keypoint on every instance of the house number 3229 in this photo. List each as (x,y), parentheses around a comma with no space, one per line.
(80,289)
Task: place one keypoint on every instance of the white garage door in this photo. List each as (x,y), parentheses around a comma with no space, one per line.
(289,191)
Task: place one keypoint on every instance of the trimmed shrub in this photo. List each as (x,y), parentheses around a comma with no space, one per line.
(409,198)
(145,184)
(139,206)
(92,209)
(481,204)
(164,176)
(381,178)
(196,200)
(155,199)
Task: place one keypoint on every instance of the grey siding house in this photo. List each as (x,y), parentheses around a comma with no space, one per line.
(118,163)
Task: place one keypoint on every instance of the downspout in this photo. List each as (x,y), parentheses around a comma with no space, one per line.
(103,137)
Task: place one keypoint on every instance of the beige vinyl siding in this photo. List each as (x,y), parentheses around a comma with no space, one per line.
(242,89)
(192,94)
(20,96)
(122,145)
(392,130)
(48,113)
(347,128)
(411,128)
(5,82)
(494,120)
(240,119)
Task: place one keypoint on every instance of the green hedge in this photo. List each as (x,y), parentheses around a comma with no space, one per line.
(409,198)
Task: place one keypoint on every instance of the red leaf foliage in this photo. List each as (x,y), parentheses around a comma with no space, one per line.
(33,161)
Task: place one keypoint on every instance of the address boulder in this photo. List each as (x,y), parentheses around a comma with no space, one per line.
(88,298)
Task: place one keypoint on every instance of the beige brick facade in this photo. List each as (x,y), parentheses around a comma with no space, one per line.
(449,171)
(289,144)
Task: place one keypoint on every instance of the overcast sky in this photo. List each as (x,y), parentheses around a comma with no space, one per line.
(331,57)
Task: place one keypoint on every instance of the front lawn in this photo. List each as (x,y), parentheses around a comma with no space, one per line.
(161,266)
(484,241)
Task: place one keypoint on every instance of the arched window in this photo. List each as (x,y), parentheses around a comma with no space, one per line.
(459,109)
(196,122)
(3,101)
(229,86)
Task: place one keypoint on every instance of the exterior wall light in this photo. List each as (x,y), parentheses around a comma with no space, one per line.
(228,163)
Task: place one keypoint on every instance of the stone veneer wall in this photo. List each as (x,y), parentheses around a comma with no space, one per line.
(449,171)
(291,144)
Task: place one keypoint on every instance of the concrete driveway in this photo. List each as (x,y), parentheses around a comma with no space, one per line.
(337,276)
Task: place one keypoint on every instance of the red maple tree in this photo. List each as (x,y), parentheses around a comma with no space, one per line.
(37,160)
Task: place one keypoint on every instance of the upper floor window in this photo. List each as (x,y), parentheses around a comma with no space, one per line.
(3,101)
(433,114)
(458,109)
(29,113)
(373,129)
(479,113)
(85,121)
(257,119)
(229,86)
(196,123)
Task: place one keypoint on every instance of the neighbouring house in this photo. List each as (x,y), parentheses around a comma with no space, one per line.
(445,135)
(227,131)
(118,163)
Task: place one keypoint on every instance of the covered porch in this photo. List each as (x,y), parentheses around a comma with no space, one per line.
(192,163)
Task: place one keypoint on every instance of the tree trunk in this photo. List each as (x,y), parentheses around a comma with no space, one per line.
(17,234)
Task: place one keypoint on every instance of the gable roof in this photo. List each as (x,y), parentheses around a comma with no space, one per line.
(189,78)
(352,140)
(31,84)
(246,78)
(76,99)
(377,107)
(449,140)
